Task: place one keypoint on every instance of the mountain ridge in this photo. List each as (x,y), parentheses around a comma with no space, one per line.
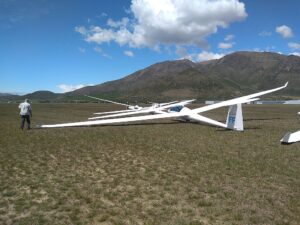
(233,75)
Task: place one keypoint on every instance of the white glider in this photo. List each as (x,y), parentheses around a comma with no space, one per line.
(290,138)
(130,108)
(234,118)
(154,109)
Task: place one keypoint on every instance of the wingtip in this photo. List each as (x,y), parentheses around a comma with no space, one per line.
(286,84)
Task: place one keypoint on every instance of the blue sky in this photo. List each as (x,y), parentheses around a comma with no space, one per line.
(61,45)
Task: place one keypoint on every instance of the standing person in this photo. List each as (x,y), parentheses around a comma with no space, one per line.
(25,113)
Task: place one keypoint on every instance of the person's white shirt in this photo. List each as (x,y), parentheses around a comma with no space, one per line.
(25,108)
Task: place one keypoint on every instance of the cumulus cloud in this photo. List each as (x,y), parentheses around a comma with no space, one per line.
(227,44)
(70,87)
(294,45)
(204,56)
(116,24)
(167,22)
(129,53)
(82,30)
(284,31)
(223,45)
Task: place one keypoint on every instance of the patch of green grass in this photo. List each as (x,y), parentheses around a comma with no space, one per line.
(151,173)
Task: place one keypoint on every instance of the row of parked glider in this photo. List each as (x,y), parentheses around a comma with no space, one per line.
(177,110)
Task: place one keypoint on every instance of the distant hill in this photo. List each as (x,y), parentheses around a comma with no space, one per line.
(5,94)
(233,75)
(41,96)
(5,97)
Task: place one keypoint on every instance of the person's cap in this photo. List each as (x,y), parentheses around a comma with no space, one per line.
(26,100)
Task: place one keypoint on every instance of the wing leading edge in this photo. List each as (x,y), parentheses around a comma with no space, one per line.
(114,121)
(239,100)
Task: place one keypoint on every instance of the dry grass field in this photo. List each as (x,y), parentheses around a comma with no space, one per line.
(159,172)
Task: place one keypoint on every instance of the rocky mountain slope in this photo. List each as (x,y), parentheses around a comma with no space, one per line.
(233,75)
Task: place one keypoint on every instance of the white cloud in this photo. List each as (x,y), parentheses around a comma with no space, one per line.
(98,35)
(204,56)
(129,53)
(223,45)
(116,24)
(82,30)
(294,45)
(284,31)
(295,53)
(265,33)
(229,37)
(70,87)
(168,22)
(227,44)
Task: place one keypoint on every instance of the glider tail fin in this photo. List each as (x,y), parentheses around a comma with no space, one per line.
(235,118)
